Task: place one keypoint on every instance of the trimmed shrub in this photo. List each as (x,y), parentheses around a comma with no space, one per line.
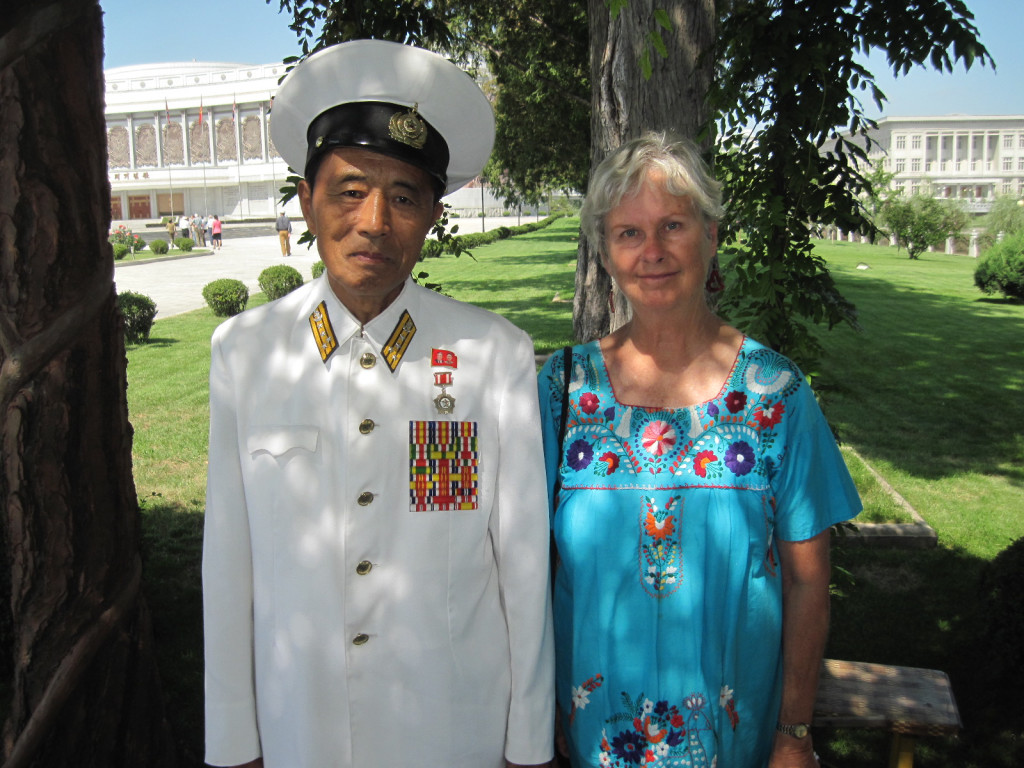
(158,246)
(226,297)
(1001,269)
(279,280)
(138,311)
(184,243)
(1003,598)
(120,250)
(317,269)
(431,249)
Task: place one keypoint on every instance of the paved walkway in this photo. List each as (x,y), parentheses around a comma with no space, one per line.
(176,285)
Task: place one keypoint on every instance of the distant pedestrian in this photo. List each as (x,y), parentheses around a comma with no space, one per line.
(172,227)
(215,228)
(283,225)
(183,225)
(198,229)
(208,222)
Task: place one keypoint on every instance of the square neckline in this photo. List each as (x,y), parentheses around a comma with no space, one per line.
(596,343)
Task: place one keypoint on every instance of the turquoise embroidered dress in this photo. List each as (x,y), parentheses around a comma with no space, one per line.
(668,595)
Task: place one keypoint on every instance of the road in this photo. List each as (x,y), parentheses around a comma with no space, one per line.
(176,285)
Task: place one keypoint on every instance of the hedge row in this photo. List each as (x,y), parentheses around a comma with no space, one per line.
(1001,269)
(477,239)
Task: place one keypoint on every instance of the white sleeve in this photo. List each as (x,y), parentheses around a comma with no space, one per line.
(521,546)
(232,734)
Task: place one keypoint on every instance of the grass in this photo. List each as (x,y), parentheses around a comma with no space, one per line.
(928,394)
(173,253)
(931,392)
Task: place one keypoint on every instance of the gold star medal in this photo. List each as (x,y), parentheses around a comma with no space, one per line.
(444,402)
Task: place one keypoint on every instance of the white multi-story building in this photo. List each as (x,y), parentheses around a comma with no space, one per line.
(194,138)
(973,158)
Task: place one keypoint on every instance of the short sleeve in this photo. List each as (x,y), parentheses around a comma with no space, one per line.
(812,486)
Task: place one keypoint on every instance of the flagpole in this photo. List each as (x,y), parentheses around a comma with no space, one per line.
(170,176)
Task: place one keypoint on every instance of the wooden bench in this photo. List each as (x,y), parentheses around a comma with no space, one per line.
(907,701)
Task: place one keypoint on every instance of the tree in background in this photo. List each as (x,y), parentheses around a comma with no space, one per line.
(921,222)
(76,653)
(788,85)
(771,83)
(1006,215)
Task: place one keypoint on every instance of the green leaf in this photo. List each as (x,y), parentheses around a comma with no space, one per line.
(658,43)
(646,70)
(663,19)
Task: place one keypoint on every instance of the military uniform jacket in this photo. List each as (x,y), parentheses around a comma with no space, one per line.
(375,571)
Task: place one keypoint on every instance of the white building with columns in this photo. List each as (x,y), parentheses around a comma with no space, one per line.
(973,158)
(194,138)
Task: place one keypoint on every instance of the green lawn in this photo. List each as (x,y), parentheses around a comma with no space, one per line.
(929,393)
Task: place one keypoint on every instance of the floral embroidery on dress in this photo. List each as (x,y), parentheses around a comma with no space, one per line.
(659,734)
(607,464)
(581,694)
(658,438)
(660,551)
(579,454)
(589,402)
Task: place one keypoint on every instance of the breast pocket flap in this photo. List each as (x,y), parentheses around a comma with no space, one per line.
(277,441)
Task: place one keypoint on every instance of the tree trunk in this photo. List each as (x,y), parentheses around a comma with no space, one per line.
(76,653)
(625,106)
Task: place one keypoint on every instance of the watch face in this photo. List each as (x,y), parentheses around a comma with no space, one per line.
(800,730)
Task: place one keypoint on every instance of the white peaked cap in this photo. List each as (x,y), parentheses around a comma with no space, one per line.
(390,74)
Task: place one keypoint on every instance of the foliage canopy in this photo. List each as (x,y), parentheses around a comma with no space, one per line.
(787,118)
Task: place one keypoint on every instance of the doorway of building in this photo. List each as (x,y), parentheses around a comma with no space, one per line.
(139,207)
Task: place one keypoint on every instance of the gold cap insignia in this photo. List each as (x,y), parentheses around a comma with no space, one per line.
(323,333)
(399,341)
(408,128)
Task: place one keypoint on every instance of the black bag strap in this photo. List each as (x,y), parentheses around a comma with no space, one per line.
(567,366)
(567,376)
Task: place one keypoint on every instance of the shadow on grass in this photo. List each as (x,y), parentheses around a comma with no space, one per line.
(160,343)
(925,608)
(172,541)
(910,386)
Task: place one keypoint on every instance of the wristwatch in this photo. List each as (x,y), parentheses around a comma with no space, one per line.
(797,730)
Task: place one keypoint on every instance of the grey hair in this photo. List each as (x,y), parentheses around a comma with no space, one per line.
(623,172)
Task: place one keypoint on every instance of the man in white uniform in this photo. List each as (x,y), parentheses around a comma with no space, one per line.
(375,563)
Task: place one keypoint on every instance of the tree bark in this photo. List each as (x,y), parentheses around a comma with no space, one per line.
(75,637)
(626,106)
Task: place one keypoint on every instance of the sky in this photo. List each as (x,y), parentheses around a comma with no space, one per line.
(253,32)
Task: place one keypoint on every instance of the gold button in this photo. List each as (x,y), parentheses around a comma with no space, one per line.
(360,639)
(366,426)
(364,567)
(368,360)
(365,498)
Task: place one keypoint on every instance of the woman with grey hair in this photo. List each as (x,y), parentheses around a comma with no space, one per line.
(694,481)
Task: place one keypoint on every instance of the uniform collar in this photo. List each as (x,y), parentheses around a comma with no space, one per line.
(384,333)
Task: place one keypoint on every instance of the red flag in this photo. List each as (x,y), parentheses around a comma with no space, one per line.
(234,109)
(167,111)
(200,110)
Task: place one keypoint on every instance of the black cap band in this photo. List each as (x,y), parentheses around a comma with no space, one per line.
(389,129)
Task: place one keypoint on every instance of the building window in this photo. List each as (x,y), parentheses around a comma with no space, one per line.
(915,165)
(1007,187)
(1007,163)
(1007,141)
(1020,141)
(901,142)
(901,165)
(915,142)
(1020,163)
